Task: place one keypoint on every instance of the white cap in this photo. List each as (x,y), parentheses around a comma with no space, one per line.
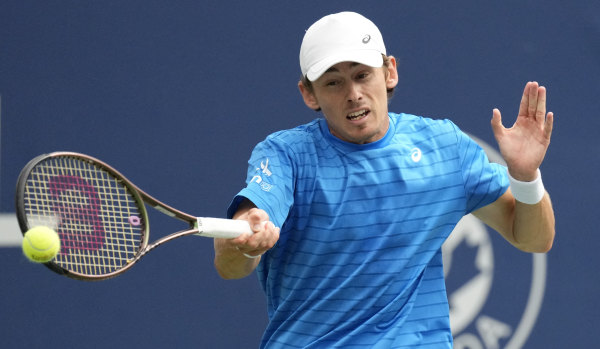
(340,37)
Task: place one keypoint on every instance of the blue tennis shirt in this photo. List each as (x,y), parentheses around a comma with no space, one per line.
(359,263)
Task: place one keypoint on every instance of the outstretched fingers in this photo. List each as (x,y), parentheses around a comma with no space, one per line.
(549,124)
(540,110)
(524,106)
(533,99)
(496,122)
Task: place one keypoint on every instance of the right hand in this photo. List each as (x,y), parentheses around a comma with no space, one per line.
(265,233)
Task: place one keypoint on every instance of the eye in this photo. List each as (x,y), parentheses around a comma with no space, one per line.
(362,75)
(332,83)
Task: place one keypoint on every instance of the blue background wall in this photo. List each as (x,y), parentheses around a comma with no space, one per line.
(175,94)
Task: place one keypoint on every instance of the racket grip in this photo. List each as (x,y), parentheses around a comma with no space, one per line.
(222,228)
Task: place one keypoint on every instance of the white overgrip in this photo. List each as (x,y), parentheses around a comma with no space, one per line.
(222,228)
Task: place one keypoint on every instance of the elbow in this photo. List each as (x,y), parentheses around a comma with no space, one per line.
(548,242)
(538,248)
(230,276)
(225,276)
(542,245)
(226,272)
(548,246)
(223,273)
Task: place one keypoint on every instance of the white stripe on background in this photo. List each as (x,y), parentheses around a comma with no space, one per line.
(10,233)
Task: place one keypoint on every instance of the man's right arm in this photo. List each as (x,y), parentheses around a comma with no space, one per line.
(237,258)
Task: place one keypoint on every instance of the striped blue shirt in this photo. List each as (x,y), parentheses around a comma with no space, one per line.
(358,263)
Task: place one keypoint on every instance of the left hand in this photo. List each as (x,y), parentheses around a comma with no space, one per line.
(524,145)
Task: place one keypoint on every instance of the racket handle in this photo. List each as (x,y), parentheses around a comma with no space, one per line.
(222,228)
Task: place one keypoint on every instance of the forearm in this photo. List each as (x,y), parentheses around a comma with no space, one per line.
(230,262)
(528,227)
(237,258)
(533,226)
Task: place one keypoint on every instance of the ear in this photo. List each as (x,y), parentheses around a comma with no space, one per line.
(392,73)
(309,98)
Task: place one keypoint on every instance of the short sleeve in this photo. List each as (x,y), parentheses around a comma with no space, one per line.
(269,180)
(484,181)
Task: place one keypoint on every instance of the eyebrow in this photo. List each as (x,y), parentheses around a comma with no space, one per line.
(333,69)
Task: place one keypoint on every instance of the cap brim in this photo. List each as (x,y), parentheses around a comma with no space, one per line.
(371,58)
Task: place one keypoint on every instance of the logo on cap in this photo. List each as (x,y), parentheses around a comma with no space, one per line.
(366,39)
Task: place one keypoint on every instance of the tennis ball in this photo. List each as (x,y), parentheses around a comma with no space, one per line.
(41,244)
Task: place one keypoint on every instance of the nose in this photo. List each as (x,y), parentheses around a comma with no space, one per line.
(354,93)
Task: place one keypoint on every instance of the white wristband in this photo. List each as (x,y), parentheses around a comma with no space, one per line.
(527,192)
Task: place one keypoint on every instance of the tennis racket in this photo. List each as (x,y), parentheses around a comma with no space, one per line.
(99,215)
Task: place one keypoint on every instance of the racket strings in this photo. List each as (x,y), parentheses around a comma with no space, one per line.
(99,222)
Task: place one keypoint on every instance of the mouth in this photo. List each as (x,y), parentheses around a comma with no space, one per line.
(358,115)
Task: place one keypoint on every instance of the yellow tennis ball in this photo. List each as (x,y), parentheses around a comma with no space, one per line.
(41,244)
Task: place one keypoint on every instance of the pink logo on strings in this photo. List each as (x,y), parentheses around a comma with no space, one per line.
(78,205)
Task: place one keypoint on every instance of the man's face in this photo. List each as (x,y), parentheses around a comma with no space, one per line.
(353,99)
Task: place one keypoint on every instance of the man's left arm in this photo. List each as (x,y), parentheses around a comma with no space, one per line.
(524,214)
(530,228)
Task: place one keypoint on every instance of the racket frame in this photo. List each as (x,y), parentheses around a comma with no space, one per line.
(203,226)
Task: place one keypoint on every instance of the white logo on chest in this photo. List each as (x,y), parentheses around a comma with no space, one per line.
(415,154)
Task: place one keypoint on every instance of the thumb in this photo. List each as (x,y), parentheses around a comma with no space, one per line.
(496,122)
(257,219)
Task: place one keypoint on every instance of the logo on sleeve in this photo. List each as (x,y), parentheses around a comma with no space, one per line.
(263,170)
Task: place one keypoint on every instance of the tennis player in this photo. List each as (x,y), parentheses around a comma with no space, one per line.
(360,201)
